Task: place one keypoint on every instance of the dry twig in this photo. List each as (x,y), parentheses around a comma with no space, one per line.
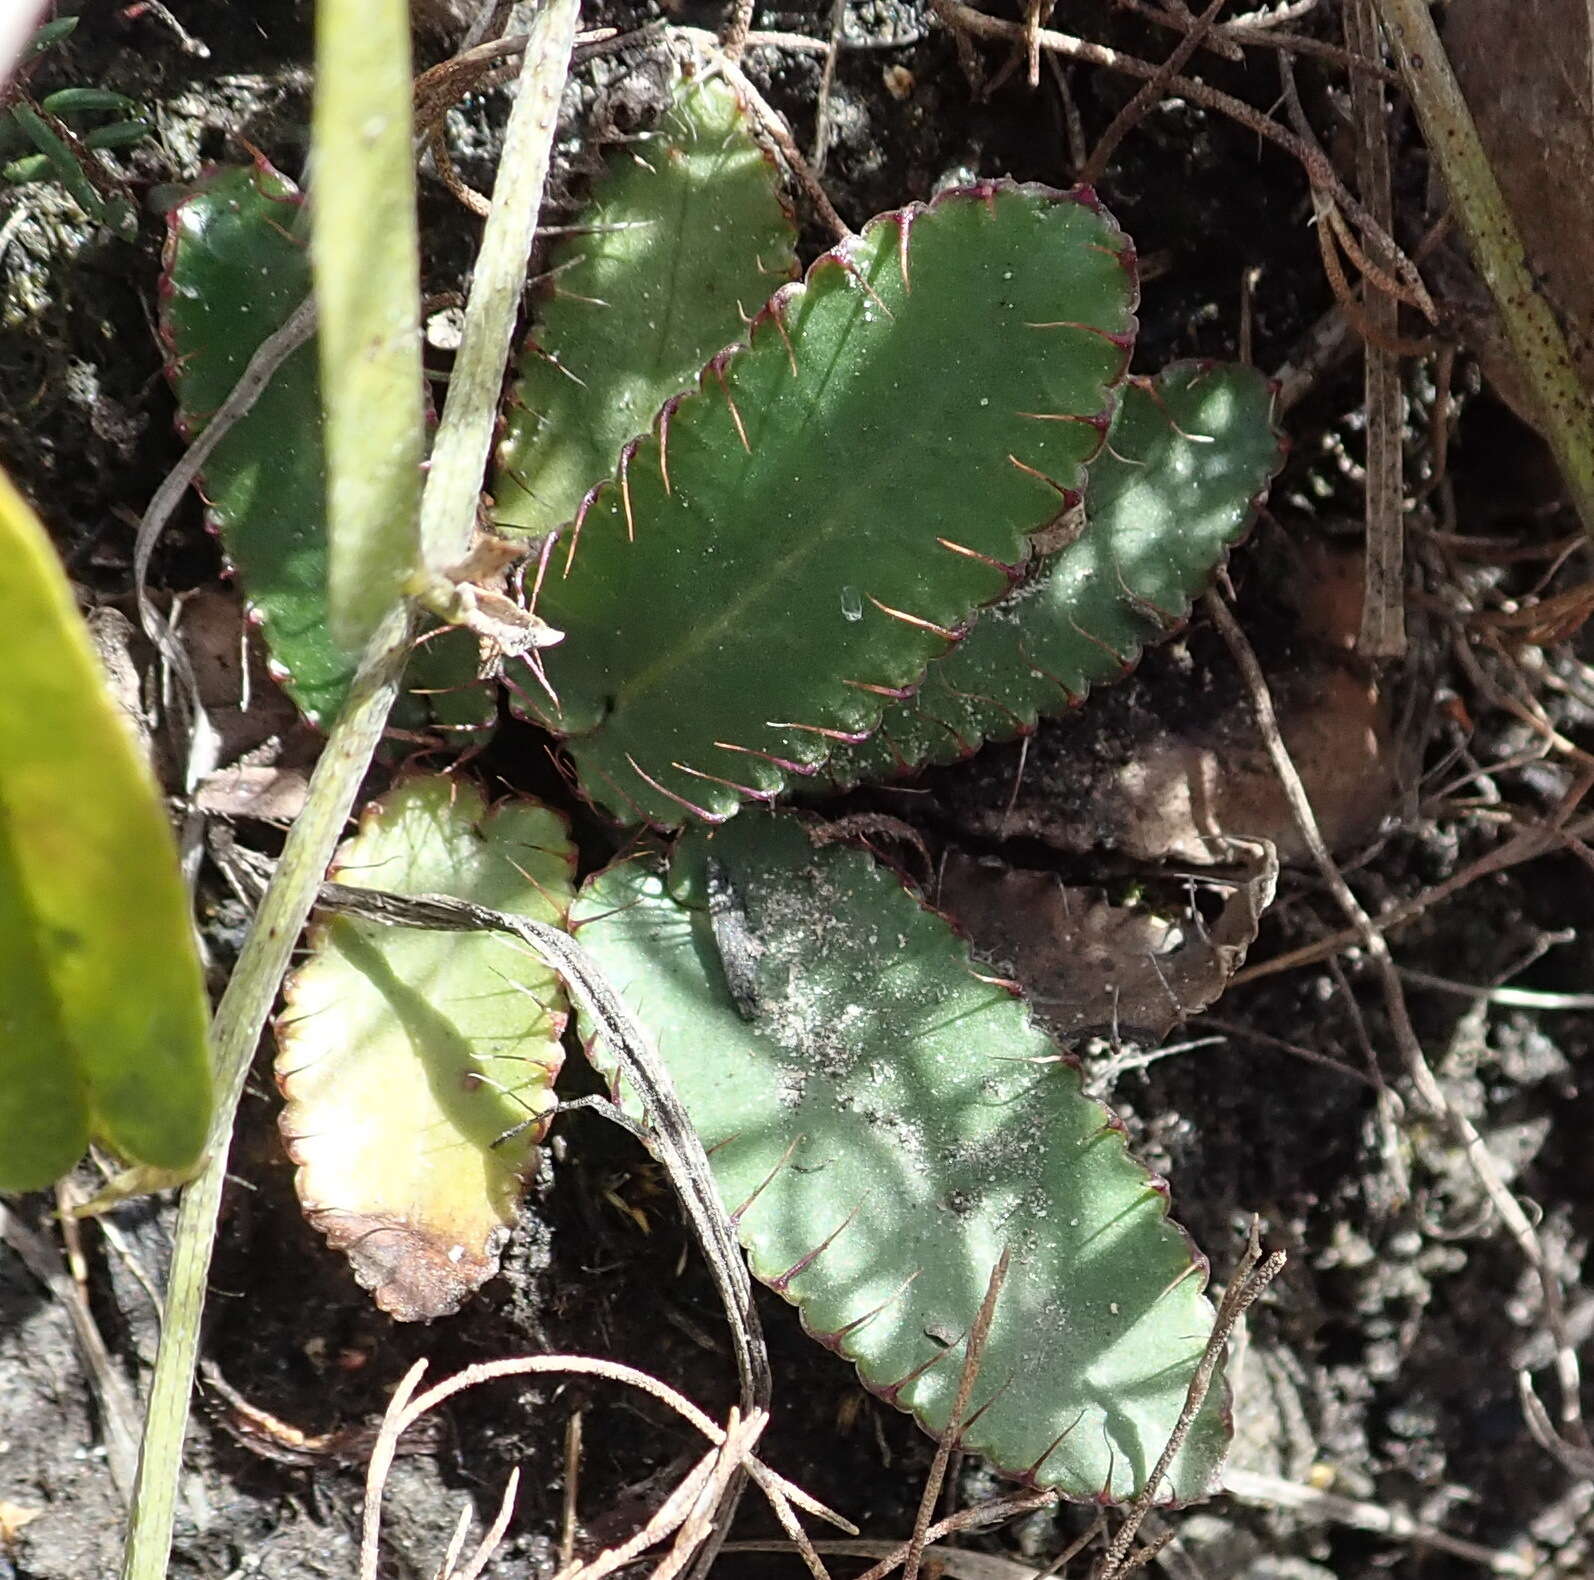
(1147,96)
(957,1419)
(1253,1274)
(1383,623)
(965,19)
(1227,38)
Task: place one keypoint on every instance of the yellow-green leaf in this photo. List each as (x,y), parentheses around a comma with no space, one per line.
(102,1006)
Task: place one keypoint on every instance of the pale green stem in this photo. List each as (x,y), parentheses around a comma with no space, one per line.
(464,436)
(235,1031)
(1496,245)
(448,504)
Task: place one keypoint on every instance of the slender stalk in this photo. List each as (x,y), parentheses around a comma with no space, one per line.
(464,436)
(1496,245)
(448,503)
(235,1031)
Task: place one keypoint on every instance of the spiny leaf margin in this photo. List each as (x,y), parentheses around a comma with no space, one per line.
(235,269)
(1178,484)
(684,235)
(858,1114)
(716,649)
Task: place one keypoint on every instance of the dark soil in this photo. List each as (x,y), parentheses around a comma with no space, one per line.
(1382,1366)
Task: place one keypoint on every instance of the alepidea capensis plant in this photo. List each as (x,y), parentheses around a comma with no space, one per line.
(797,534)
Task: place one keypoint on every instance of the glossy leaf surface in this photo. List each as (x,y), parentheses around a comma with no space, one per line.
(800,536)
(686,236)
(1189,455)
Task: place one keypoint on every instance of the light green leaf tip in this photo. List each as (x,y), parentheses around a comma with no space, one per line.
(365,256)
(102,1005)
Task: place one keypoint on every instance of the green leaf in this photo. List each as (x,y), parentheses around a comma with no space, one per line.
(51,34)
(1189,455)
(64,165)
(883,1121)
(105,1013)
(86,101)
(365,254)
(800,536)
(405,1055)
(236,270)
(685,236)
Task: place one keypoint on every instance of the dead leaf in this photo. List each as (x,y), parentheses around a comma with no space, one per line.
(1157,769)
(13,1516)
(1086,964)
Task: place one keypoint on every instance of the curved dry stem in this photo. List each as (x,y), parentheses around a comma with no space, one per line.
(965,19)
(689,1510)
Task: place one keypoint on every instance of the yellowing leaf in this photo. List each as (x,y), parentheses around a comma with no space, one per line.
(102,1007)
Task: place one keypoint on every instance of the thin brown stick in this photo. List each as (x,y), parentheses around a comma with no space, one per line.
(1216,39)
(827,81)
(117,1405)
(995,1512)
(1311,835)
(733,39)
(1379,278)
(1227,38)
(1532,842)
(954,1425)
(1383,622)
(1253,1274)
(1329,228)
(964,18)
(779,133)
(572,1489)
(1149,94)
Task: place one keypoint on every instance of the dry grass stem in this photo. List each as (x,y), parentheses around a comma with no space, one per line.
(1147,96)
(827,80)
(776,129)
(1251,1276)
(1319,170)
(1227,38)
(492,1536)
(931,1494)
(118,1409)
(692,1506)
(1383,622)
(1274,1492)
(572,1492)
